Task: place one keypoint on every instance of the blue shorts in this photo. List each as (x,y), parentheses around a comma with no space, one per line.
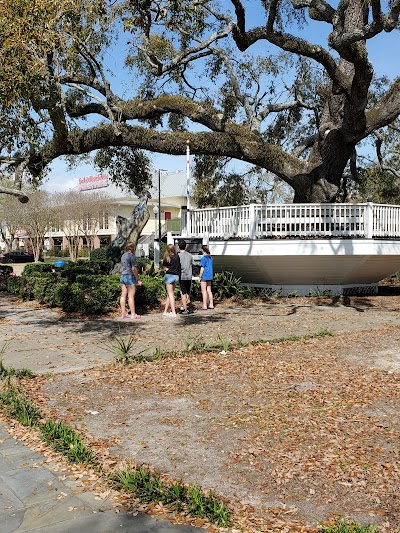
(127,280)
(171,279)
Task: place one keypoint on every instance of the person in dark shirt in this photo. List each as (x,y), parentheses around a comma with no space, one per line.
(172,269)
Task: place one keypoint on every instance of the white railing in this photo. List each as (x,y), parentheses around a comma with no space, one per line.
(257,221)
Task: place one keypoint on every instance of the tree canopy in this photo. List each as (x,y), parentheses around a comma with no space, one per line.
(285,85)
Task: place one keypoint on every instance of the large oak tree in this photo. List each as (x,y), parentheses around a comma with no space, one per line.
(238,79)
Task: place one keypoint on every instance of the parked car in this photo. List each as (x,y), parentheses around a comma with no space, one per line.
(16,256)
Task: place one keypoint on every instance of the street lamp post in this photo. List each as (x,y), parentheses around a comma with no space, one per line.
(156,239)
(157,216)
(159,204)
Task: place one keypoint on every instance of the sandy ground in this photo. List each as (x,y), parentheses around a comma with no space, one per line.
(290,433)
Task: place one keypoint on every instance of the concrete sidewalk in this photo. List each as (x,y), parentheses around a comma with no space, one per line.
(34,499)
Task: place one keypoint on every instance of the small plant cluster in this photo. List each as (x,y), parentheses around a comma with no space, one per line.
(65,440)
(18,406)
(344,527)
(126,353)
(150,487)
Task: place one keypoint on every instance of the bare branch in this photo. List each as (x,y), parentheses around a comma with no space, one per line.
(382,164)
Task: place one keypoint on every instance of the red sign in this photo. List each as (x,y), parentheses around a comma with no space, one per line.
(93,182)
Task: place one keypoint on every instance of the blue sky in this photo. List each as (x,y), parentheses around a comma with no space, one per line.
(383,52)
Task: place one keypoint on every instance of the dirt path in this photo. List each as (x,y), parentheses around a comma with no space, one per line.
(291,433)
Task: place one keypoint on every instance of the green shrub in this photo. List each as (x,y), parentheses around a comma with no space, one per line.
(145,265)
(99,254)
(71,270)
(5,272)
(71,296)
(103,267)
(102,296)
(151,292)
(227,285)
(6,269)
(15,285)
(44,288)
(36,267)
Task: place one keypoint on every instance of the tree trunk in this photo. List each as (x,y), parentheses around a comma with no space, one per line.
(129,230)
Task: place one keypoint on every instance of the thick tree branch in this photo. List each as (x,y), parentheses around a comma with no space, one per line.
(317,9)
(22,197)
(289,43)
(385,111)
(237,142)
(147,109)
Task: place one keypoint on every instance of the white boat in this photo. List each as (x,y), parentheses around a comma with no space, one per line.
(302,248)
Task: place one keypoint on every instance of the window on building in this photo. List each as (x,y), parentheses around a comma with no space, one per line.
(103,220)
(86,222)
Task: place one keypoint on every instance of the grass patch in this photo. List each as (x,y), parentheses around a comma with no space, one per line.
(344,527)
(124,349)
(19,407)
(64,439)
(198,344)
(293,338)
(150,487)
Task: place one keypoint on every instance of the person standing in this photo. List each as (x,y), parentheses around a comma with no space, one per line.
(172,269)
(206,276)
(129,280)
(185,282)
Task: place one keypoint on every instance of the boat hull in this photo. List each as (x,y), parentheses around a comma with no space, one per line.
(303,266)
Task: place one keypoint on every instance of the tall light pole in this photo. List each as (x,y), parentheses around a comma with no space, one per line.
(188,175)
(159,203)
(157,215)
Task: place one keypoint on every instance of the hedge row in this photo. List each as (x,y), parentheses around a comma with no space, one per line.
(86,287)
(81,287)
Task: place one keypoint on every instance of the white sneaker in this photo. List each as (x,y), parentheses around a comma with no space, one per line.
(170,315)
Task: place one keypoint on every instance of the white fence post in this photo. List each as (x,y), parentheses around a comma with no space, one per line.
(252,221)
(369,220)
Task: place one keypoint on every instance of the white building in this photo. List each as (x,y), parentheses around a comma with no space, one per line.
(165,208)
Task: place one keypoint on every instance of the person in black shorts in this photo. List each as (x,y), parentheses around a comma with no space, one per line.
(185,282)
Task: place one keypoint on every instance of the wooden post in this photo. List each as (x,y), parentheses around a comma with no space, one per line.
(369,220)
(252,221)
